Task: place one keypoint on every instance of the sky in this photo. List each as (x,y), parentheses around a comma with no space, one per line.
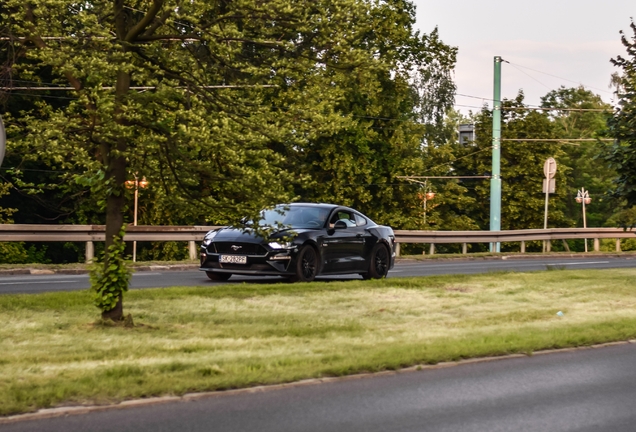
(548,44)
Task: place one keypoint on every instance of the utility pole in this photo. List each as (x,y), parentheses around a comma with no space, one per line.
(495,181)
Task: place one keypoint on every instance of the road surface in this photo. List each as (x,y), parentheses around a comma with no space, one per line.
(29,284)
(587,390)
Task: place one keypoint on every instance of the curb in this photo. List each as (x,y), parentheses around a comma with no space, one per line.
(627,255)
(77,410)
(175,267)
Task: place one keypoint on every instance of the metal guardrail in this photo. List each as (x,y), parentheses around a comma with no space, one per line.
(191,234)
(509,236)
(88,233)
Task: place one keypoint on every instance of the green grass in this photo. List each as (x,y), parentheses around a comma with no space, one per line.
(54,351)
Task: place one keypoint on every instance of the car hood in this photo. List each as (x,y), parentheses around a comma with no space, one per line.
(231,234)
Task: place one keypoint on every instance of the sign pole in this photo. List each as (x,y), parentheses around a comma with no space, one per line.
(549,170)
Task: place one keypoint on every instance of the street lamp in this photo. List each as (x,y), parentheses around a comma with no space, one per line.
(425,197)
(136,183)
(583,197)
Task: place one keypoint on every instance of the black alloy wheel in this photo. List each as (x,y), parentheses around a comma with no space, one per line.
(306,265)
(379,266)
(218,276)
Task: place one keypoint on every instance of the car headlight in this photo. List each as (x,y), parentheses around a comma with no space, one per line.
(280,245)
(209,237)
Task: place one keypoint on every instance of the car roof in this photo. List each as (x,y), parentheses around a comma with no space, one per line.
(318,205)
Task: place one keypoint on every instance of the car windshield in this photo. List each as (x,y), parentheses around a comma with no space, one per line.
(294,217)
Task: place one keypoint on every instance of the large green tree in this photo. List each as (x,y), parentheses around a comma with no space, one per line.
(522,205)
(190,94)
(579,114)
(622,126)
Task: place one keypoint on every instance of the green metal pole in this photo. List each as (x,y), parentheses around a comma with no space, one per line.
(495,181)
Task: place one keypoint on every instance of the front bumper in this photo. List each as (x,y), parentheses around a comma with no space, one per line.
(274,263)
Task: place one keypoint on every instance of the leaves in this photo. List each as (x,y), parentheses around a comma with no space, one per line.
(109,279)
(622,126)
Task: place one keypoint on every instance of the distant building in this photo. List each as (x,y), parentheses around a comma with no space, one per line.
(466,134)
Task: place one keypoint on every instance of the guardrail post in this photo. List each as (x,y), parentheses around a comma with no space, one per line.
(523,246)
(192,248)
(618,245)
(397,249)
(464,248)
(90,252)
(431,249)
(597,245)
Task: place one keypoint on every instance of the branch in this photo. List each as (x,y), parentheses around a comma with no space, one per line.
(158,23)
(145,21)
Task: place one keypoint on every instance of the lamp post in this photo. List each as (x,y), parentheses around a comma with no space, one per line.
(136,183)
(428,195)
(583,197)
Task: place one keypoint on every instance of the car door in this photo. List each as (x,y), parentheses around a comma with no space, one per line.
(343,249)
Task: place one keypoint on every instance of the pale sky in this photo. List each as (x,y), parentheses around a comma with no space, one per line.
(572,40)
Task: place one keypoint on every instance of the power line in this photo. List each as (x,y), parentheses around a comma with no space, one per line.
(137,87)
(559,139)
(555,76)
(442,177)
(535,108)
(528,75)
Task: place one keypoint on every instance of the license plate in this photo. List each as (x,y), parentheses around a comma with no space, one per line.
(233,259)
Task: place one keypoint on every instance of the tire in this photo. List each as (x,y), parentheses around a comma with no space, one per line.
(218,276)
(380,260)
(306,265)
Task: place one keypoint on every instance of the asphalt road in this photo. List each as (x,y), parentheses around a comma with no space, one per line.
(28,284)
(586,390)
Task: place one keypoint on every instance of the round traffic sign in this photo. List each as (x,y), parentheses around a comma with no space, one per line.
(549,168)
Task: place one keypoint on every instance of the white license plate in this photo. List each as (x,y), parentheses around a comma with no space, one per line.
(233,259)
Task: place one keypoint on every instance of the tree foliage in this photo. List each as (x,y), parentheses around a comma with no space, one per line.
(224,106)
(580,114)
(622,125)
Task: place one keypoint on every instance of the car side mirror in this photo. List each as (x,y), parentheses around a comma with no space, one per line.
(340,224)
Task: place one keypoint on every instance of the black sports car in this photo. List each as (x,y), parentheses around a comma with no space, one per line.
(312,240)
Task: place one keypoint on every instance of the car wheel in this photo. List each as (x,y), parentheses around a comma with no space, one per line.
(379,266)
(218,276)
(306,265)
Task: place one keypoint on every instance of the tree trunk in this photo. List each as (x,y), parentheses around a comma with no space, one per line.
(115,201)
(117,313)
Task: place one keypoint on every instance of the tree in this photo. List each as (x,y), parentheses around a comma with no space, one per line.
(522,205)
(390,105)
(580,114)
(196,96)
(621,155)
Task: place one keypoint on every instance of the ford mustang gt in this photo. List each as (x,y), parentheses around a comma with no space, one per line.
(308,240)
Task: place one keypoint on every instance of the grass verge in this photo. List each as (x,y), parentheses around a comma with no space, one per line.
(54,352)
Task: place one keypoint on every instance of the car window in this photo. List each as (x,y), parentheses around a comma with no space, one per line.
(346,216)
(360,221)
(294,217)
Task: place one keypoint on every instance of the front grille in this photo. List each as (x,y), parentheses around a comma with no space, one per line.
(252,267)
(239,248)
